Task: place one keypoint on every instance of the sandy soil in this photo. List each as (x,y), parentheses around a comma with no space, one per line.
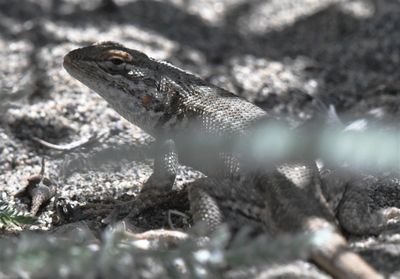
(279,54)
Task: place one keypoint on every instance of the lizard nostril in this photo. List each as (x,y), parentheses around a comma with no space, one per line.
(67,59)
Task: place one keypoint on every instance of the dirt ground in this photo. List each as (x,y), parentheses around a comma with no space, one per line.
(279,54)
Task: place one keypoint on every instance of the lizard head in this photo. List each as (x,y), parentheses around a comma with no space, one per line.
(128,79)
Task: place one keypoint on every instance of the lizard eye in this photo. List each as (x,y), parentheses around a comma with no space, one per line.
(116,61)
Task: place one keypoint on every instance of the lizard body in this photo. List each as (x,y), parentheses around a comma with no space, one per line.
(183,112)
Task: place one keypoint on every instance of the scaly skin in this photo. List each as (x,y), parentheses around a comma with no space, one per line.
(197,121)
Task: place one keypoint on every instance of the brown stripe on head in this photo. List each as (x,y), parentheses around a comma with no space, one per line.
(116,54)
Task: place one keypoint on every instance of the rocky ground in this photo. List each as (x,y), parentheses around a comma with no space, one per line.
(279,54)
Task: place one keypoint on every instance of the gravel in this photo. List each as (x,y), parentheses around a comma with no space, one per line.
(280,54)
